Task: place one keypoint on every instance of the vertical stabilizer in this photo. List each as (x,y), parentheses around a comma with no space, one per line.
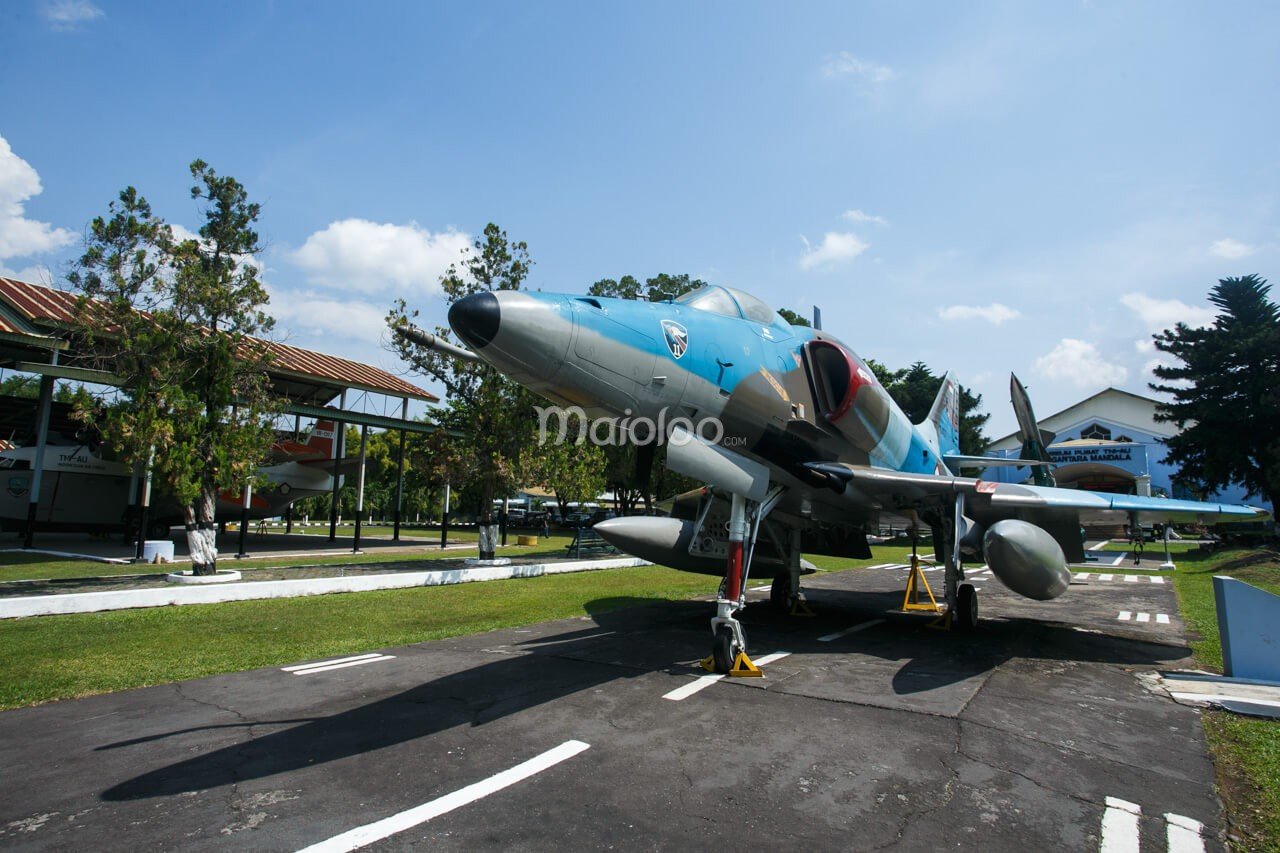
(1035,441)
(945,416)
(320,441)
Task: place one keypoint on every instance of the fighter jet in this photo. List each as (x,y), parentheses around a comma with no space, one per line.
(800,448)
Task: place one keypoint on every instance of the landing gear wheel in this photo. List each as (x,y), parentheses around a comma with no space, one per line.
(724,649)
(780,593)
(966,618)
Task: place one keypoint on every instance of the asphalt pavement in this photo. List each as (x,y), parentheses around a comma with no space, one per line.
(870,730)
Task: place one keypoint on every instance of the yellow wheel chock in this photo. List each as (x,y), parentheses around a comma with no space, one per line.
(911,601)
(708,663)
(801,608)
(744,668)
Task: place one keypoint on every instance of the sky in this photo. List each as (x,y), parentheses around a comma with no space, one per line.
(985,187)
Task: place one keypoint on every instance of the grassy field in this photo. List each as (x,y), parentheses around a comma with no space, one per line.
(58,657)
(18,566)
(1246,750)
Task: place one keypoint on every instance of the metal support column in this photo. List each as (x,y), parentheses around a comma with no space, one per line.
(244,518)
(37,465)
(404,415)
(339,440)
(364,443)
(444,519)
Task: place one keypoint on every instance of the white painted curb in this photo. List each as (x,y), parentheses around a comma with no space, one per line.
(124,599)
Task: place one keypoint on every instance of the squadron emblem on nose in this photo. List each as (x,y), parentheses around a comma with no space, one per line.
(676,336)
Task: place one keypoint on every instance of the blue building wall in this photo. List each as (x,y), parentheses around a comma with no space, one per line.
(1141,455)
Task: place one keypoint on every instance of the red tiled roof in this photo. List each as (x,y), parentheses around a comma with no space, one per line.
(56,308)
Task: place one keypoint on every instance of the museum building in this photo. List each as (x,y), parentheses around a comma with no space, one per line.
(1109,442)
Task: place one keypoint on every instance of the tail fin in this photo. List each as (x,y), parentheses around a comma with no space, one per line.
(321,438)
(944,417)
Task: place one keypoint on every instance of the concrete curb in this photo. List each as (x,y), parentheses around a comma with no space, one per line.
(93,602)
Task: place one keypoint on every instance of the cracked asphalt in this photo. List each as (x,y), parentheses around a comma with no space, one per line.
(897,736)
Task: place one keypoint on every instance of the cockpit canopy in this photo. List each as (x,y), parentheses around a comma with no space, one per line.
(731,302)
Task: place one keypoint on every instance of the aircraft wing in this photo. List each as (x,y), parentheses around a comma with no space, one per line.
(901,490)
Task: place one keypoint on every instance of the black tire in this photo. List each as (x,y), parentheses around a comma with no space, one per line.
(780,593)
(966,607)
(724,649)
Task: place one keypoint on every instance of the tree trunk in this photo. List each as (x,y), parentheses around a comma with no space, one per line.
(202,533)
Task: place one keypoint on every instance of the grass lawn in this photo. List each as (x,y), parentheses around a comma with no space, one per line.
(18,566)
(1246,750)
(45,658)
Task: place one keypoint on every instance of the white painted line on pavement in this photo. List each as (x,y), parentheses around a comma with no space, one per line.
(1157,579)
(1184,834)
(704,681)
(1082,576)
(847,631)
(327,662)
(1125,616)
(1105,577)
(363,836)
(1144,617)
(1120,826)
(1162,618)
(1131,578)
(313,670)
(1118,560)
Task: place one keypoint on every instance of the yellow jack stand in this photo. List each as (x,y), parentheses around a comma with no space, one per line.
(801,608)
(911,600)
(744,668)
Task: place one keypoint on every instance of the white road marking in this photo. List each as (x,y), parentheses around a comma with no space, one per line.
(847,631)
(1125,616)
(1084,576)
(1144,617)
(1162,618)
(1157,579)
(884,566)
(1120,826)
(758,588)
(340,663)
(704,681)
(324,662)
(363,836)
(1118,560)
(1184,834)
(1105,577)
(1131,578)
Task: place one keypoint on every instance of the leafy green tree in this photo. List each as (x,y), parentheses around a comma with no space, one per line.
(573,470)
(176,320)
(1226,391)
(495,414)
(914,389)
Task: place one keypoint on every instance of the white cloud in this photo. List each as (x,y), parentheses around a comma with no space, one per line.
(379,257)
(70,14)
(995,313)
(19,236)
(845,64)
(1232,250)
(1158,314)
(34,274)
(307,313)
(861,216)
(1078,363)
(835,248)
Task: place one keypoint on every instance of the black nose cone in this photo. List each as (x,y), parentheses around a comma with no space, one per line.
(475,319)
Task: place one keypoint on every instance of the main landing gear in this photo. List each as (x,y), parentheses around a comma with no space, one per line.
(962,598)
(729,644)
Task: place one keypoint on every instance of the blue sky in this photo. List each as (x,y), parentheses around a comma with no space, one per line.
(985,187)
